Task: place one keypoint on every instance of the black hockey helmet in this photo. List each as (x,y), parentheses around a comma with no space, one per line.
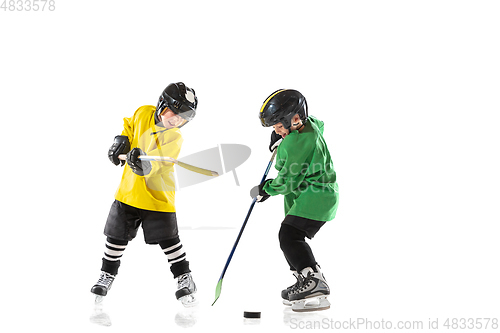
(178,98)
(281,106)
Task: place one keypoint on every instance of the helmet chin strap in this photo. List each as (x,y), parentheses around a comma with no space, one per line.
(296,124)
(158,121)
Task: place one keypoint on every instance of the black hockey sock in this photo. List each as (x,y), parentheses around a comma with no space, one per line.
(176,256)
(112,254)
(297,252)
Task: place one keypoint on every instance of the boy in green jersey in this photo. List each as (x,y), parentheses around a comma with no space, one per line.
(307,180)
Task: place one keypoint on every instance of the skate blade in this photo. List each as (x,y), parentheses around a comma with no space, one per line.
(287,302)
(317,304)
(188,301)
(100,318)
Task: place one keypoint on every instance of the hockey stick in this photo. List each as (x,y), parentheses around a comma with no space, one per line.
(189,167)
(219,284)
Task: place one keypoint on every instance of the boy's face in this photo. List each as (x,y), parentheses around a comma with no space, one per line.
(170,119)
(280,130)
(296,124)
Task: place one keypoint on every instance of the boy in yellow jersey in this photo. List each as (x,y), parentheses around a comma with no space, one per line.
(146,195)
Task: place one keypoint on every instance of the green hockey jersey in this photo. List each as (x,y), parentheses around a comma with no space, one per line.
(306,176)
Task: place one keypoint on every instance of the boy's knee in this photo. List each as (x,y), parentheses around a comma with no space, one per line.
(289,235)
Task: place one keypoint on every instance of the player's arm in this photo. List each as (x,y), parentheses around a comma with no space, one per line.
(292,163)
(121,145)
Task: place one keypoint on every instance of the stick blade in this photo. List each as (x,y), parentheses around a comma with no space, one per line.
(217,291)
(198,170)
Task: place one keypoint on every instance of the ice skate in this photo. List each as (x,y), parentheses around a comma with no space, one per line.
(103,285)
(186,289)
(312,293)
(285,292)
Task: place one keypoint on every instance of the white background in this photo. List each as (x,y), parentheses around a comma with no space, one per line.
(408,90)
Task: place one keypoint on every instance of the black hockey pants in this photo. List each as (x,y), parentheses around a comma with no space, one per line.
(292,236)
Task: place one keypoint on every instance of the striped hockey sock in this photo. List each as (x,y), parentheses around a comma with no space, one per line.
(112,254)
(114,249)
(176,256)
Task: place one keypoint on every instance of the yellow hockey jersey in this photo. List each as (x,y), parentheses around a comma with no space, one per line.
(155,191)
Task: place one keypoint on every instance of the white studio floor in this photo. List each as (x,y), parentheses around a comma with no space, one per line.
(372,287)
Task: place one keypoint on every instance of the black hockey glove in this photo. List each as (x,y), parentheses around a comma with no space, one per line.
(275,141)
(138,166)
(120,146)
(259,193)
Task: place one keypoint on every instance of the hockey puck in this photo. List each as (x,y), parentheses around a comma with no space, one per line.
(248,314)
